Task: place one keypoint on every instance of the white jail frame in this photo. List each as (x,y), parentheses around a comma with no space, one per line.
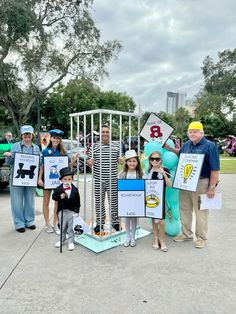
(100,112)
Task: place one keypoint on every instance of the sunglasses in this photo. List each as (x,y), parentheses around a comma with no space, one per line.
(155,158)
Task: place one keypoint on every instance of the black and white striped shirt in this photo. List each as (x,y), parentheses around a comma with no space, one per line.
(108,165)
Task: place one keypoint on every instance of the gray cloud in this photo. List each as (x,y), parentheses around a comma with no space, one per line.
(164,44)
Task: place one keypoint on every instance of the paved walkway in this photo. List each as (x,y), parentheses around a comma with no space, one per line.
(36,278)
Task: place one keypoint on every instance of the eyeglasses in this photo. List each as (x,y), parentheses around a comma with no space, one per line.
(155,158)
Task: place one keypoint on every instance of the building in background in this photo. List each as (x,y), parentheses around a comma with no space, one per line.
(175,101)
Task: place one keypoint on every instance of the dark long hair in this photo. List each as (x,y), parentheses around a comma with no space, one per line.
(138,168)
(60,147)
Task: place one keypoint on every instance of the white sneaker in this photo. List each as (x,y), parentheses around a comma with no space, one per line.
(127,242)
(56,229)
(132,243)
(49,229)
(58,244)
(71,246)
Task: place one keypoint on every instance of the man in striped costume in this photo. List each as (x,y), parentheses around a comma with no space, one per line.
(104,162)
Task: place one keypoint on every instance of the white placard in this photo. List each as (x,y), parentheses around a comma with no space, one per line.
(52,167)
(156,129)
(131,198)
(154,190)
(25,170)
(210,203)
(188,171)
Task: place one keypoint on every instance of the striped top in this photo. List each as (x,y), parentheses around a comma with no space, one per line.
(108,165)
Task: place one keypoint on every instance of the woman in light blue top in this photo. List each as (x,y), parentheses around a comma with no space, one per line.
(23,197)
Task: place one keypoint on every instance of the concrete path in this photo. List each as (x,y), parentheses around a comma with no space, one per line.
(36,278)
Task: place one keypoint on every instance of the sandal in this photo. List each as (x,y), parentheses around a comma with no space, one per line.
(155,245)
(163,246)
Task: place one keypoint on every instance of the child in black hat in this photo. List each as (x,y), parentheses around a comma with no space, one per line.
(68,199)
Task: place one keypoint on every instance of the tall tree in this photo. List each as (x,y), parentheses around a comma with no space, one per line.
(82,95)
(42,42)
(219,91)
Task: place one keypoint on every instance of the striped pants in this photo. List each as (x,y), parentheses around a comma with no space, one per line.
(100,193)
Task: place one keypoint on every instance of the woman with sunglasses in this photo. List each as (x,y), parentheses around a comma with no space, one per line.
(157,172)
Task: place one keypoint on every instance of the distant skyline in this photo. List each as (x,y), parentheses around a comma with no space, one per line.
(164,44)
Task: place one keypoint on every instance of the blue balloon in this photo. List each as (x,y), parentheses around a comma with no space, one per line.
(145,164)
(172,227)
(170,160)
(170,143)
(151,147)
(172,195)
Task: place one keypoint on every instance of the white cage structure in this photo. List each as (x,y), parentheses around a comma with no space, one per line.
(84,121)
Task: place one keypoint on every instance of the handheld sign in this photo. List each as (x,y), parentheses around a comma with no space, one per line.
(131,198)
(154,198)
(25,170)
(156,129)
(52,167)
(188,171)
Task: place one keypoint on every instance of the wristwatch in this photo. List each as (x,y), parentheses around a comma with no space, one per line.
(212,187)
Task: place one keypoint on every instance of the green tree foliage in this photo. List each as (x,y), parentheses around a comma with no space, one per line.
(82,95)
(42,42)
(217,98)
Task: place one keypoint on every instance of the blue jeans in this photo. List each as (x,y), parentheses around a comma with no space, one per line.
(22,205)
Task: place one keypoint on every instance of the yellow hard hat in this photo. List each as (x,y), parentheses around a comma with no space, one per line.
(195,125)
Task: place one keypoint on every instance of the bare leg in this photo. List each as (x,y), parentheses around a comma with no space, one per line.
(155,245)
(46,200)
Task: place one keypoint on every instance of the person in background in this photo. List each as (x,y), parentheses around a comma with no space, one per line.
(23,197)
(209,177)
(7,139)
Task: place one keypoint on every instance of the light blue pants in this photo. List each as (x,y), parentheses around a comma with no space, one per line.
(22,205)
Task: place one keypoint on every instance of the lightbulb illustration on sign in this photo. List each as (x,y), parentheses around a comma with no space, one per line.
(188,168)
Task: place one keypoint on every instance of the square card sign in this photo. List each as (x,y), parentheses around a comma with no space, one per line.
(131,198)
(154,198)
(52,167)
(188,171)
(25,170)
(156,129)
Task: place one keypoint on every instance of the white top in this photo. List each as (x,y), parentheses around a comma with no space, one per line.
(131,175)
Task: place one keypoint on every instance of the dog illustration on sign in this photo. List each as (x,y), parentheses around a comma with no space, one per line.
(25,172)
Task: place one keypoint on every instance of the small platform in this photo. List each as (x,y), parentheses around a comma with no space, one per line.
(98,243)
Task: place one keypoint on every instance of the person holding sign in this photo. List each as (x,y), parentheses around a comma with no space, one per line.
(157,172)
(55,148)
(132,170)
(23,197)
(208,181)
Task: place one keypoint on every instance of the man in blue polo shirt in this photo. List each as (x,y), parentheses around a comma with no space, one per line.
(209,178)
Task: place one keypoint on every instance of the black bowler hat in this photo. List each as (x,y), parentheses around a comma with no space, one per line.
(65,172)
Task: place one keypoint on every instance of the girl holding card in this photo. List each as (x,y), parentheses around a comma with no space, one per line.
(132,170)
(157,172)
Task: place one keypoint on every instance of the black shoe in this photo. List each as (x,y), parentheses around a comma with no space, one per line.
(21,230)
(97,228)
(117,227)
(33,227)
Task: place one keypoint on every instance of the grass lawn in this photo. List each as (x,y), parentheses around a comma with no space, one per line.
(228,166)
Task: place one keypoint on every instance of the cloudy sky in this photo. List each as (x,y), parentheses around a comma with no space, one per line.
(164,44)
